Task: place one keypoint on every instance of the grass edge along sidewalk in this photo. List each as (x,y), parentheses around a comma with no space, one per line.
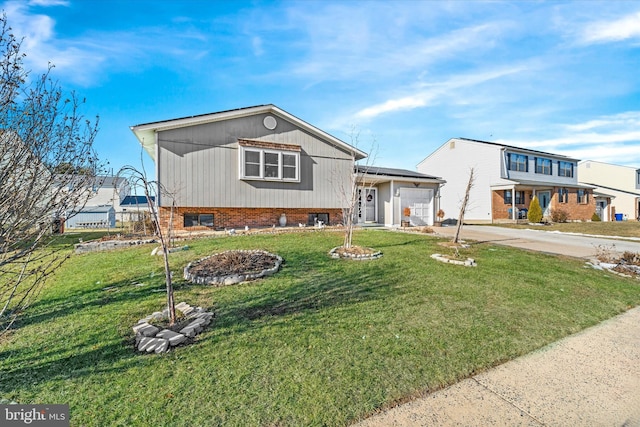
(323,342)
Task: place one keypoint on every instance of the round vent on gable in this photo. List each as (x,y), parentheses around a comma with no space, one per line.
(270,122)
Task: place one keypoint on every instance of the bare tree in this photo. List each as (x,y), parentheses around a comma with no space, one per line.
(152,190)
(349,188)
(47,170)
(463,206)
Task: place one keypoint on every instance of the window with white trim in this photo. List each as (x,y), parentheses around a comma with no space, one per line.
(269,165)
(543,166)
(565,169)
(517,162)
(563,195)
(583,196)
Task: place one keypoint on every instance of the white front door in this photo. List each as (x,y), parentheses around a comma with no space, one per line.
(370,205)
(367,204)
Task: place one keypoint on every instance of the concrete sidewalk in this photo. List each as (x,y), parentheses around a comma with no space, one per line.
(588,379)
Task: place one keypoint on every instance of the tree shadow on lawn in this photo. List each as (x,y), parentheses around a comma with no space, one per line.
(80,360)
(309,294)
(49,309)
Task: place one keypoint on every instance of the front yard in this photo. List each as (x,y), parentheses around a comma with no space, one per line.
(322,342)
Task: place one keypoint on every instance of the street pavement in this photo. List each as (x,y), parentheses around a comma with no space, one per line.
(588,379)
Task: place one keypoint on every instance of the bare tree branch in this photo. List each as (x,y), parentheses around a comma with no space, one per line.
(47,169)
(152,189)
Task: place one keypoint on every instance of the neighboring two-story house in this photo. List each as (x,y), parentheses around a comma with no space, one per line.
(253,166)
(620,183)
(506,180)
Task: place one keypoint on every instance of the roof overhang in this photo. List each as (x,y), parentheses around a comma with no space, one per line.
(536,185)
(371,178)
(146,133)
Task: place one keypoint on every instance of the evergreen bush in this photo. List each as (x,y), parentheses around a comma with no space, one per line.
(535,212)
(595,217)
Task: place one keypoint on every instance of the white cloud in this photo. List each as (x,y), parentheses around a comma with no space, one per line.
(626,119)
(434,92)
(47,3)
(624,28)
(256,43)
(346,41)
(407,103)
(611,139)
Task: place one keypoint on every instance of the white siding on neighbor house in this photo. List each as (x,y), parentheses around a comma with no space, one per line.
(616,180)
(200,166)
(453,162)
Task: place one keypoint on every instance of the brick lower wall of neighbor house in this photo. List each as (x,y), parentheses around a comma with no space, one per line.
(501,210)
(240,217)
(575,211)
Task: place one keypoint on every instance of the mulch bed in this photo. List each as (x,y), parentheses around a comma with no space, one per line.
(234,262)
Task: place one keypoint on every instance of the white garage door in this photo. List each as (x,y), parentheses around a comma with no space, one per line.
(420,202)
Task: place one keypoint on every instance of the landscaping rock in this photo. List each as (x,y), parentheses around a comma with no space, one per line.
(182,306)
(148,331)
(141,324)
(149,338)
(174,338)
(162,347)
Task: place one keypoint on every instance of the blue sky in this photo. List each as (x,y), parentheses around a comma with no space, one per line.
(562,77)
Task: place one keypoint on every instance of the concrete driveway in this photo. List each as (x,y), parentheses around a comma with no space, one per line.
(580,246)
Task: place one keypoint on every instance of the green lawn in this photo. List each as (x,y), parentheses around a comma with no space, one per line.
(609,228)
(323,342)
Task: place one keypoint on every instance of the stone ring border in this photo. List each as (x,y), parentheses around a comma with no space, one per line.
(231,279)
(150,338)
(333,253)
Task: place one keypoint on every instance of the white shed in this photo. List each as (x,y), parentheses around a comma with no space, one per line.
(92,217)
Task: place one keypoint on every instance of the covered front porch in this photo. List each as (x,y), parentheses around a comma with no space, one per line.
(511,202)
(386,194)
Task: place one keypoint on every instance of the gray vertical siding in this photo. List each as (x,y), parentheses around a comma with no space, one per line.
(199,166)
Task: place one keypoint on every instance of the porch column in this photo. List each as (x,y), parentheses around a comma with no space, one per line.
(513,202)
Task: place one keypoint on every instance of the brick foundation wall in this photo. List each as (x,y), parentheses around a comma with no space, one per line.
(240,217)
(574,210)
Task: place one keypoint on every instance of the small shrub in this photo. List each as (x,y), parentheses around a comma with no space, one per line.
(631,258)
(595,217)
(559,215)
(606,253)
(535,211)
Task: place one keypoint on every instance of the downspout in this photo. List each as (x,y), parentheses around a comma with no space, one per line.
(157,170)
(393,202)
(504,163)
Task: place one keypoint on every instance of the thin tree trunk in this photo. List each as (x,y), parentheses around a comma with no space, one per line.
(463,208)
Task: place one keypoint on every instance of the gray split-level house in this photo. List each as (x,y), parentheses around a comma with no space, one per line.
(251,166)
